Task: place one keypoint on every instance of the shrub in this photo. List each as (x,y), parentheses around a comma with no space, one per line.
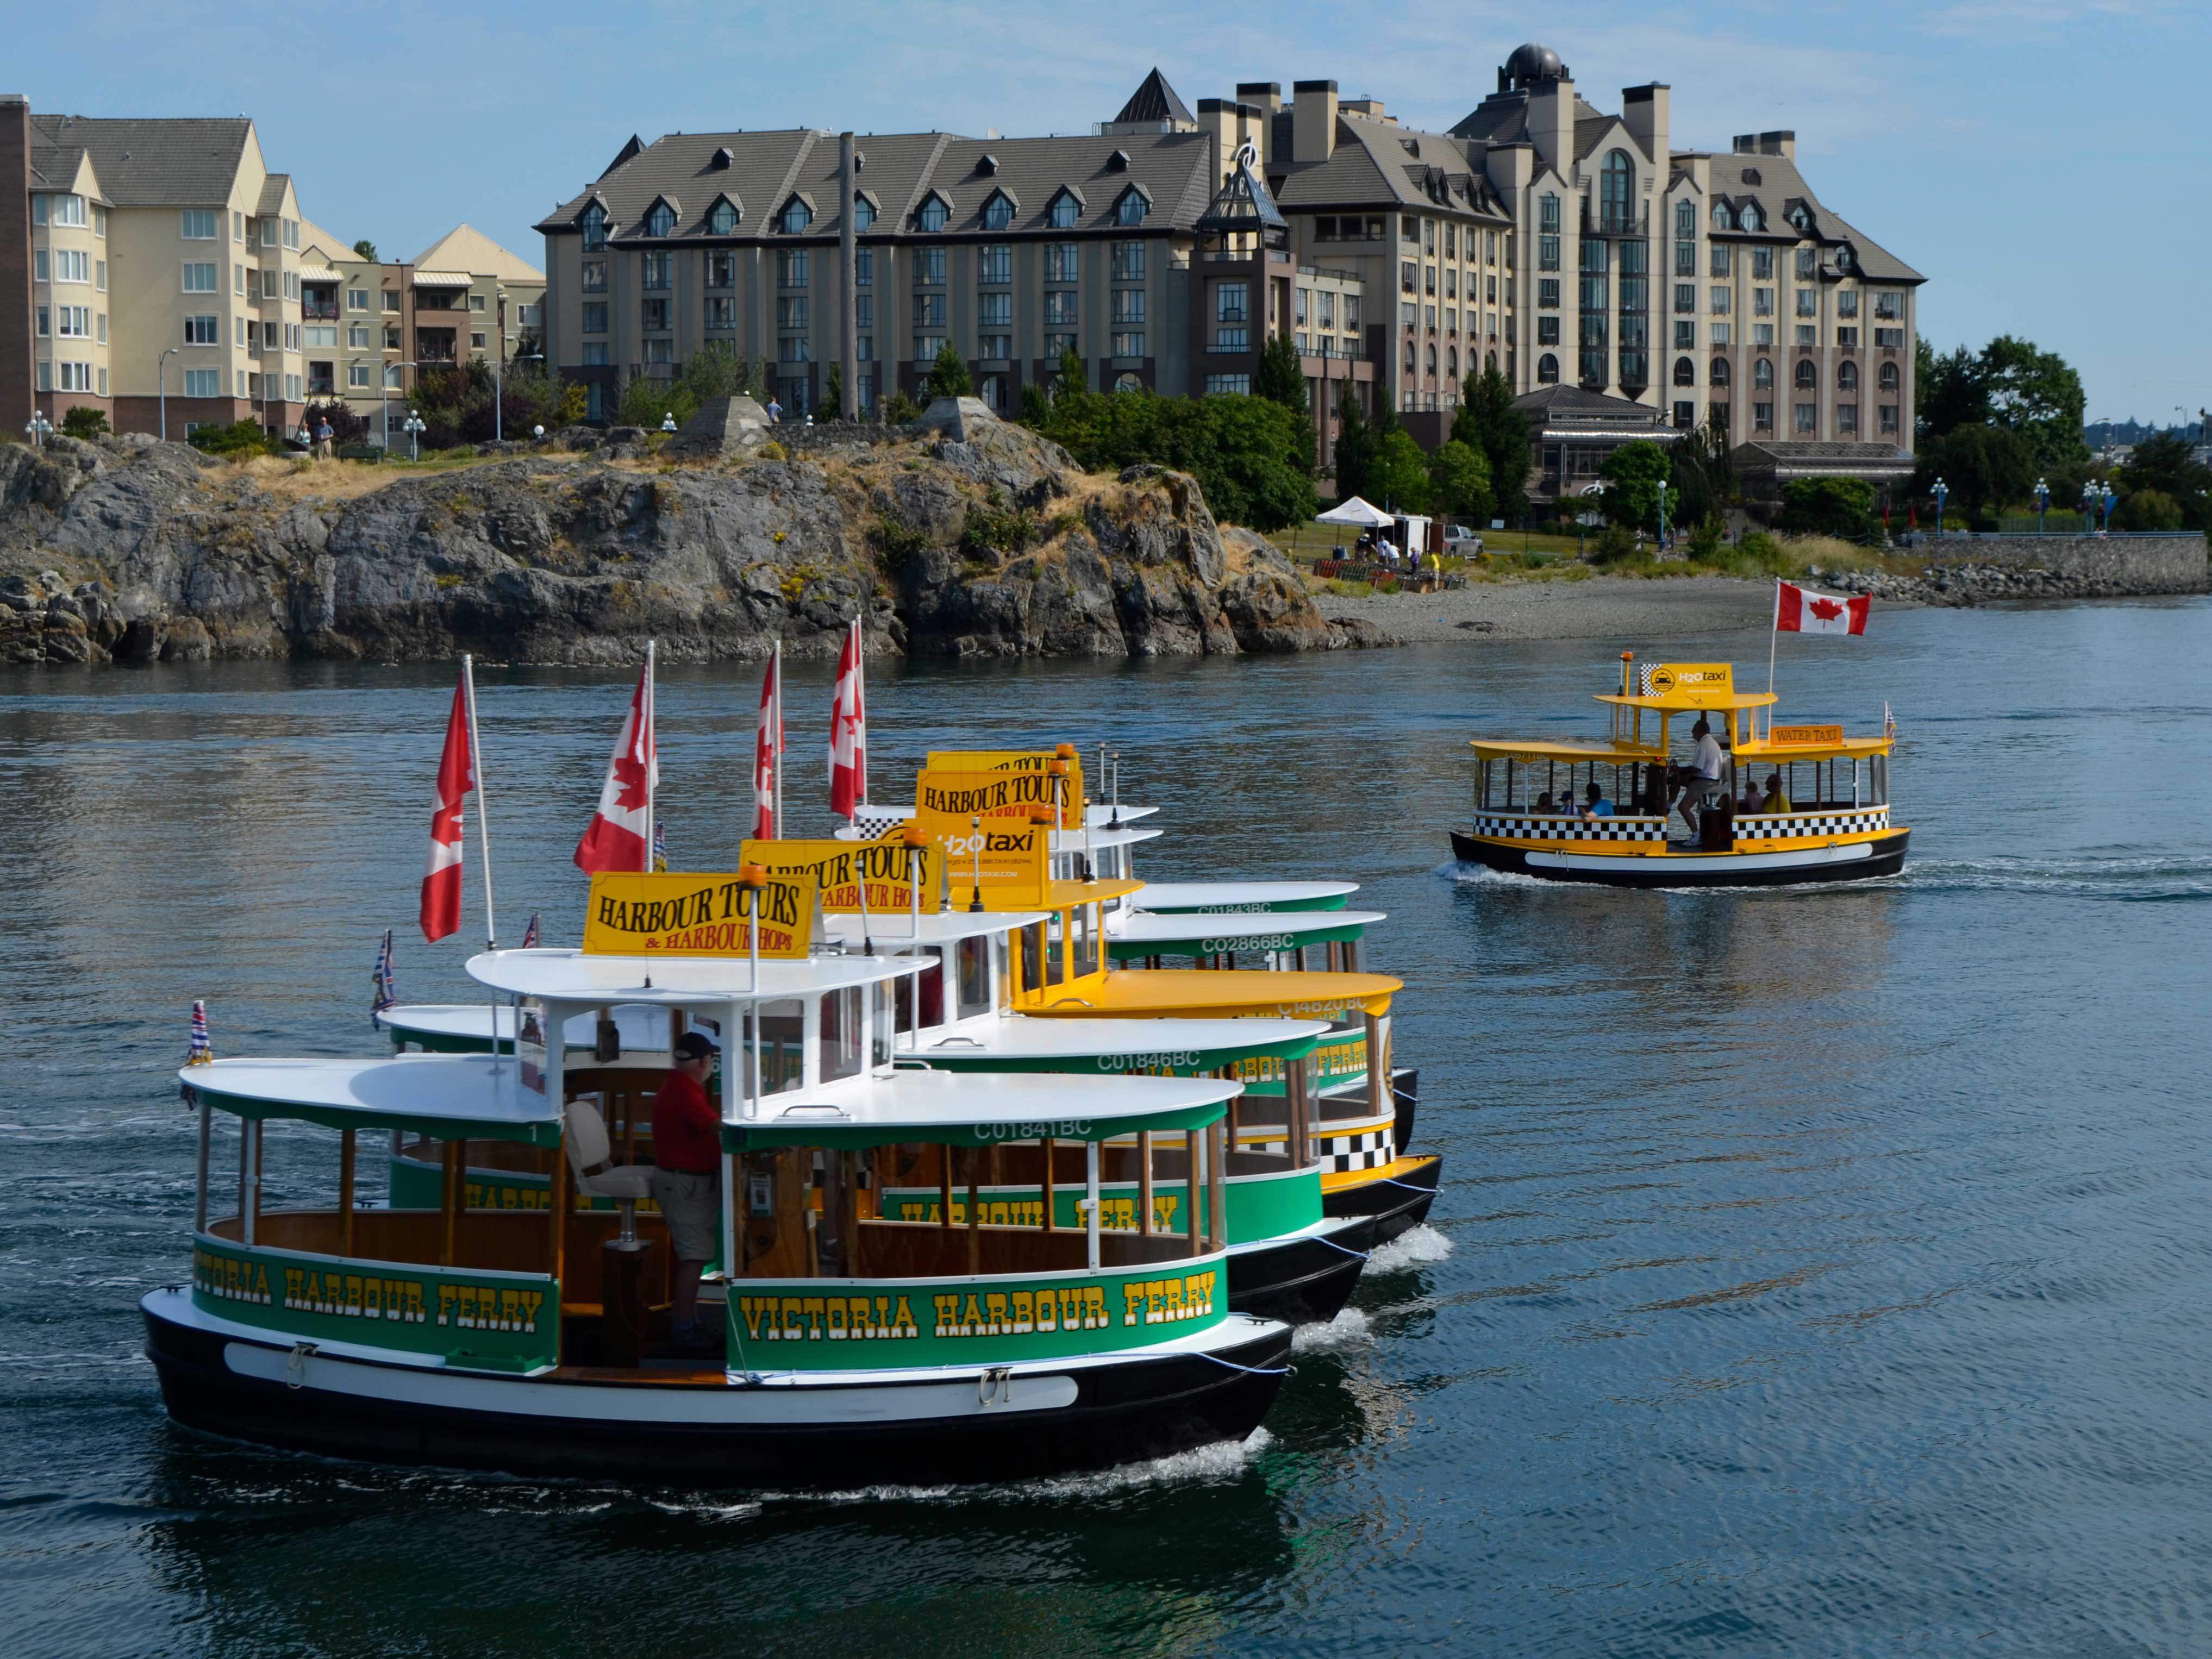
(1460,478)
(240,439)
(84,422)
(346,427)
(1251,456)
(1843,507)
(1614,544)
(2145,510)
(1632,474)
(899,409)
(948,376)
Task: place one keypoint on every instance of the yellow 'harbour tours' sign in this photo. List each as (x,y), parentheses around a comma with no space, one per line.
(635,914)
(847,871)
(1035,761)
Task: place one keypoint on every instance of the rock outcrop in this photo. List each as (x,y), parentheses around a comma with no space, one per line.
(974,537)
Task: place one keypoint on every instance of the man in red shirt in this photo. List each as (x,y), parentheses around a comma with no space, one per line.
(687,1156)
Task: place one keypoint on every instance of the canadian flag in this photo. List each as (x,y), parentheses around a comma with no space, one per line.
(441,876)
(848,731)
(768,752)
(1801,611)
(621,833)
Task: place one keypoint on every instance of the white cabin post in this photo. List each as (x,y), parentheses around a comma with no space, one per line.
(207,1134)
(1090,1197)
(729,1092)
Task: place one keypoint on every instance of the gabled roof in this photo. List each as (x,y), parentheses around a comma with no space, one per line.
(191,163)
(1380,164)
(1242,205)
(1779,185)
(1154,100)
(467,248)
(273,190)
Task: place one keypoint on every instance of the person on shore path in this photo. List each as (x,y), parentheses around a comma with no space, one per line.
(774,412)
(687,1163)
(323,436)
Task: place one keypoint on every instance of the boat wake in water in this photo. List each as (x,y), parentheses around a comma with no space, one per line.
(1222,1461)
(2128,878)
(1414,1247)
(1348,1329)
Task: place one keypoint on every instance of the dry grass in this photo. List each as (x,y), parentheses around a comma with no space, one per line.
(292,478)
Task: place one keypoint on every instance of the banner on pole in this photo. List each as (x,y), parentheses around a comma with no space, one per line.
(1019,760)
(635,914)
(845,870)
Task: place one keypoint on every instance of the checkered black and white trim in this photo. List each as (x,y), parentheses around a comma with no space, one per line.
(1546,827)
(876,821)
(1371,1149)
(1791,825)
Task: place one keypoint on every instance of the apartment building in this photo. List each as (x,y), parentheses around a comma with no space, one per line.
(1166,245)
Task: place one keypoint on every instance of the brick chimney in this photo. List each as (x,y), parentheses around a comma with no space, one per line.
(1313,120)
(17,396)
(1644,113)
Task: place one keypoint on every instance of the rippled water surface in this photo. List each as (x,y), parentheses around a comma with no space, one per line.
(1815,1272)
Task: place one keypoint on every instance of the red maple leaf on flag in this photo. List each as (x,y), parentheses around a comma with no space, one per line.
(1825,609)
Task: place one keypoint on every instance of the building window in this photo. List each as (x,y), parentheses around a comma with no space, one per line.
(595,282)
(1762,334)
(795,217)
(1762,416)
(1617,192)
(1808,302)
(793,349)
(1848,338)
(1717,333)
(1753,217)
(1847,420)
(1058,345)
(72,265)
(1064,212)
(1889,377)
(73,322)
(1128,345)
(1548,369)
(790,267)
(1888,307)
(1547,253)
(1686,372)
(994,348)
(1060,262)
(928,267)
(1847,302)
(315,336)
(927,346)
(595,316)
(721,312)
(722,218)
(1128,382)
(1685,220)
(863,312)
(1547,292)
(1128,262)
(721,272)
(1807,378)
(1685,334)
(595,356)
(654,316)
(1231,302)
(594,223)
(1808,264)
(1889,419)
(864,267)
(1893,337)
(928,311)
(1762,264)
(1128,305)
(1805,418)
(1807,334)
(1548,330)
(791,313)
(1229,386)
(1719,375)
(199,279)
(1762,374)
(930,217)
(1686,297)
(1547,214)
(358,376)
(659,220)
(199,222)
(1131,208)
(997,310)
(203,383)
(1722,264)
(655,271)
(864,218)
(1060,307)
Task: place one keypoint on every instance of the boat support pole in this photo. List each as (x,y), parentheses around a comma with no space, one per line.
(1190,1187)
(346,1147)
(449,1197)
(253,1213)
(1144,1183)
(1217,1170)
(207,1134)
(1378,1085)
(1090,1207)
(731,1028)
(1050,1144)
(245,1175)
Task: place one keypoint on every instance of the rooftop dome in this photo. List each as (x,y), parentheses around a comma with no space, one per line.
(1533,63)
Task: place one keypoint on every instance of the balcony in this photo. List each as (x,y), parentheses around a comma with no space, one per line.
(317,311)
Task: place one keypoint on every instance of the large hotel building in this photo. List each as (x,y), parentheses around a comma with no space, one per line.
(1607,273)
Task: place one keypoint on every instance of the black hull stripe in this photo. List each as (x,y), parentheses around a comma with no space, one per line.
(1887,858)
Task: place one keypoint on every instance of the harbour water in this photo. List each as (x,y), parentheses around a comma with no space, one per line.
(1816,1271)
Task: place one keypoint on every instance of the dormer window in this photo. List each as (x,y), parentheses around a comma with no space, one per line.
(722,218)
(1752,219)
(1722,218)
(595,223)
(1131,208)
(1118,161)
(1064,211)
(863,213)
(998,211)
(1845,260)
(720,163)
(1751,178)
(987,165)
(1801,217)
(795,217)
(932,215)
(659,220)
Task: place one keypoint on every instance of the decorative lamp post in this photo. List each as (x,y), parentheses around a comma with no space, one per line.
(161,380)
(39,429)
(1942,495)
(2042,500)
(1663,515)
(2089,505)
(413,428)
(668,420)
(2110,496)
(537,435)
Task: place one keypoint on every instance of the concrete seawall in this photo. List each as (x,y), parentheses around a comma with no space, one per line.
(2092,566)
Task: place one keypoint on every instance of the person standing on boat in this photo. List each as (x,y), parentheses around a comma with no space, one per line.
(687,1160)
(1707,765)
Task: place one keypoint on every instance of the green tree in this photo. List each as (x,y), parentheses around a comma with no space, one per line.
(1249,455)
(1632,474)
(2037,394)
(1488,422)
(1036,406)
(1984,467)
(1459,478)
(948,376)
(1702,476)
(367,250)
(1071,377)
(1400,472)
(1282,377)
(1356,446)
(1948,390)
(1828,506)
(2146,509)
(84,422)
(833,392)
(2163,462)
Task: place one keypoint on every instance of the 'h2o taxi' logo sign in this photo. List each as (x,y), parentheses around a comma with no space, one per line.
(1659,682)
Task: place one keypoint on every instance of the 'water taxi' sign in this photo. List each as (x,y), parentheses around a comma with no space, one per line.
(1804,736)
(636,914)
(1036,760)
(844,868)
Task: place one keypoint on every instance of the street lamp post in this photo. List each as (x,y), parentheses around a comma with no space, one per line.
(413,428)
(161,380)
(2089,505)
(668,420)
(2109,497)
(2042,500)
(1942,495)
(384,406)
(1663,515)
(38,429)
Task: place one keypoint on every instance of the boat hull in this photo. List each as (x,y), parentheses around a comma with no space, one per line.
(694,1431)
(1406,1098)
(1398,1197)
(1302,1280)
(1852,861)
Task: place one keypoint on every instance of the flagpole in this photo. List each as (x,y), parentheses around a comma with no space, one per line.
(483,818)
(775,744)
(860,703)
(651,747)
(1773,639)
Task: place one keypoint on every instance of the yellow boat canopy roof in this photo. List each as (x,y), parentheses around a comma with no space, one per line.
(1225,993)
(1566,753)
(1066,894)
(1675,702)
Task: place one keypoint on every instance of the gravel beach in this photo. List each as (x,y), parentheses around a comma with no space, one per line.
(1596,607)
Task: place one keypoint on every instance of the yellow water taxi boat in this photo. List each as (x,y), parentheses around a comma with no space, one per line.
(1794,804)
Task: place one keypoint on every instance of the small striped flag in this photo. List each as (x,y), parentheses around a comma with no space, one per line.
(382,980)
(530,933)
(201,1054)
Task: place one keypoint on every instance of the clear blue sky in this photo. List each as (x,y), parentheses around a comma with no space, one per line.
(2043,161)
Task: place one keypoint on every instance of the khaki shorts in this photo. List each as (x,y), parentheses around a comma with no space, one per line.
(692,1207)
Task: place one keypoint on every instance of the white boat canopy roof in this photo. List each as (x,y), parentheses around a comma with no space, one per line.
(448,1097)
(1120,1044)
(1249,930)
(1098,838)
(476,1022)
(979,1109)
(875,816)
(1224,896)
(569,975)
(892,930)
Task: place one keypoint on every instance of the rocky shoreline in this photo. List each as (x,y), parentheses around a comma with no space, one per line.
(972,538)
(1970,583)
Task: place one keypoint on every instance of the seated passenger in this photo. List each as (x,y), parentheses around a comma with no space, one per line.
(1775,801)
(1543,807)
(1597,805)
(1752,800)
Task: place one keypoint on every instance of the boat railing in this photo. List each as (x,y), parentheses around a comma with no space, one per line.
(1562,826)
(1820,818)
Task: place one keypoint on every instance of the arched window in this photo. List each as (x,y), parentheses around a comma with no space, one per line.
(595,229)
(721,219)
(1720,375)
(1722,219)
(795,217)
(1847,376)
(1451,362)
(994,394)
(1807,377)
(1686,372)
(1410,362)
(1064,211)
(1752,218)
(998,212)
(1432,360)
(1762,374)
(1548,369)
(1128,381)
(1490,361)
(659,219)
(1617,192)
(1889,377)
(931,215)
(863,213)
(1131,209)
